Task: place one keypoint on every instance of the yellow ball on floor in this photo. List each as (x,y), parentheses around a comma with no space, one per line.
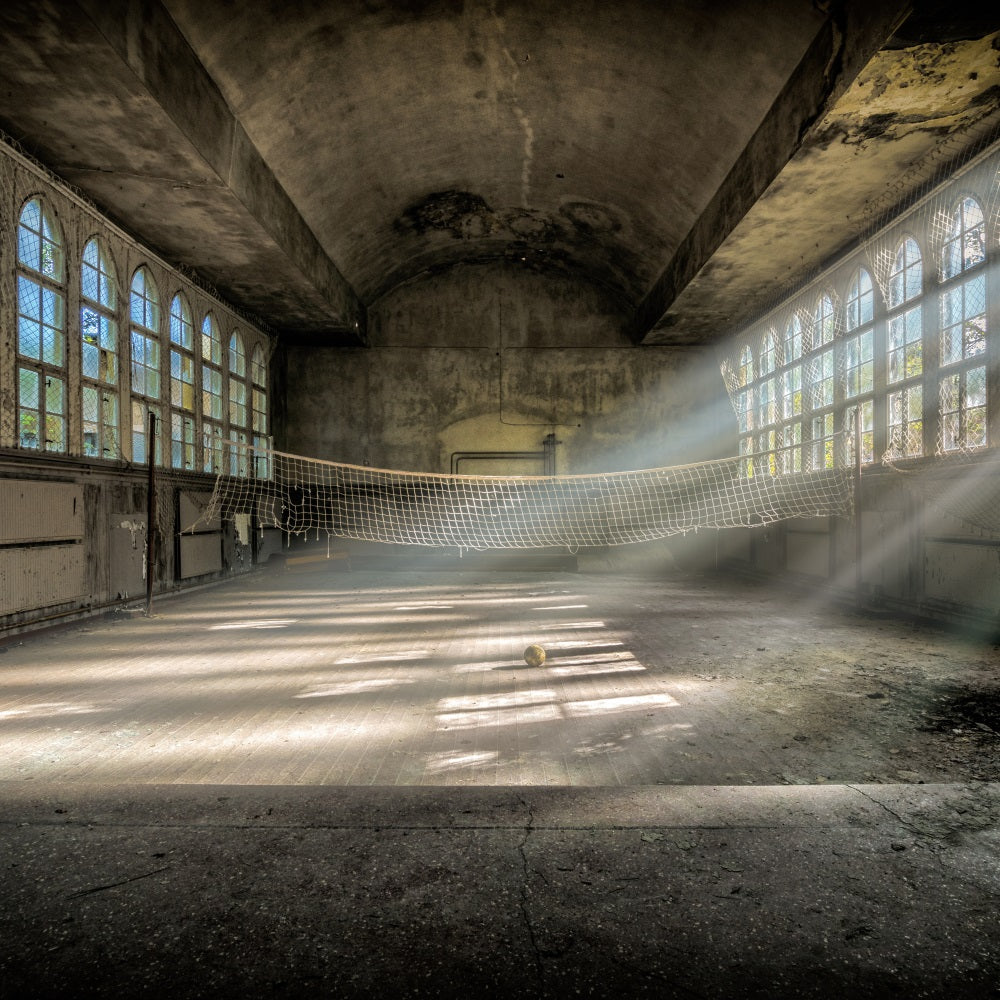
(534,655)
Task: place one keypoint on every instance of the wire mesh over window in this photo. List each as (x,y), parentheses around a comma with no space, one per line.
(99,353)
(211,395)
(182,384)
(258,379)
(41,330)
(963,325)
(145,367)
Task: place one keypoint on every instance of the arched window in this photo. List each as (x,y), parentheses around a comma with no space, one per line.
(768,403)
(788,387)
(744,404)
(744,395)
(145,344)
(824,322)
(258,381)
(962,385)
(211,395)
(239,452)
(821,367)
(791,395)
(859,360)
(41,330)
(181,384)
(793,340)
(99,352)
(965,241)
(904,351)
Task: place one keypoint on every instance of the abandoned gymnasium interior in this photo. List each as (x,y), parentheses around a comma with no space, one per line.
(499,497)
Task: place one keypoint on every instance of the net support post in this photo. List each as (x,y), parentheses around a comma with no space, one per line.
(150,513)
(858,597)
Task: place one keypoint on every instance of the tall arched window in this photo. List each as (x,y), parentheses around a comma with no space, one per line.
(258,381)
(962,380)
(859,360)
(767,404)
(181,384)
(239,463)
(744,404)
(791,398)
(41,330)
(145,344)
(99,352)
(821,366)
(211,395)
(904,351)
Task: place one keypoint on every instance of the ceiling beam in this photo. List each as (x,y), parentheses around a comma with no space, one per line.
(851,34)
(143,35)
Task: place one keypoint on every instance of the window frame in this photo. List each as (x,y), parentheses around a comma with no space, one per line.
(958,371)
(145,371)
(48,287)
(103,387)
(213,411)
(183,390)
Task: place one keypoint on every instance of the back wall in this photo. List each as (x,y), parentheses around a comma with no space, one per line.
(490,358)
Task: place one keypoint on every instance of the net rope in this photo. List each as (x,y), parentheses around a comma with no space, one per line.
(300,495)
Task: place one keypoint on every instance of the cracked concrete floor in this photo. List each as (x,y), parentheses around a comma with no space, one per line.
(775,798)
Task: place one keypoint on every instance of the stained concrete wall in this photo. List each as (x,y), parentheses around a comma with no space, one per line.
(492,358)
(100,564)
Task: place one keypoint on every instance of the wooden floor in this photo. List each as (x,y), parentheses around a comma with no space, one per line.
(330,677)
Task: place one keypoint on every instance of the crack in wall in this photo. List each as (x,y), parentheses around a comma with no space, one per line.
(522,117)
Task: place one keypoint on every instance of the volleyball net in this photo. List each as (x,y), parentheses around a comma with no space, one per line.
(302,495)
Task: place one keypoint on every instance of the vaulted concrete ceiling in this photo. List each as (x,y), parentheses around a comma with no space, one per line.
(308,157)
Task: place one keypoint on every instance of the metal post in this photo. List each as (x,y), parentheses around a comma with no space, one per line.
(857,505)
(150,512)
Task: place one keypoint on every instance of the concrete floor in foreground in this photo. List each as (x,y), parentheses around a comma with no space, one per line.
(709,789)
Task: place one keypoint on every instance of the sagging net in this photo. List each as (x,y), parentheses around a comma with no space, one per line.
(301,495)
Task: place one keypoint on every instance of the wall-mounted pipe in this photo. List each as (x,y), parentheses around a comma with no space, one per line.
(457,457)
(547,456)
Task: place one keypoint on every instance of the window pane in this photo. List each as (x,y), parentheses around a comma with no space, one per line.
(791,404)
(860,301)
(211,341)
(29,298)
(145,311)
(181,327)
(39,247)
(237,402)
(823,322)
(258,368)
(145,365)
(181,441)
(181,380)
(211,394)
(793,340)
(29,338)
